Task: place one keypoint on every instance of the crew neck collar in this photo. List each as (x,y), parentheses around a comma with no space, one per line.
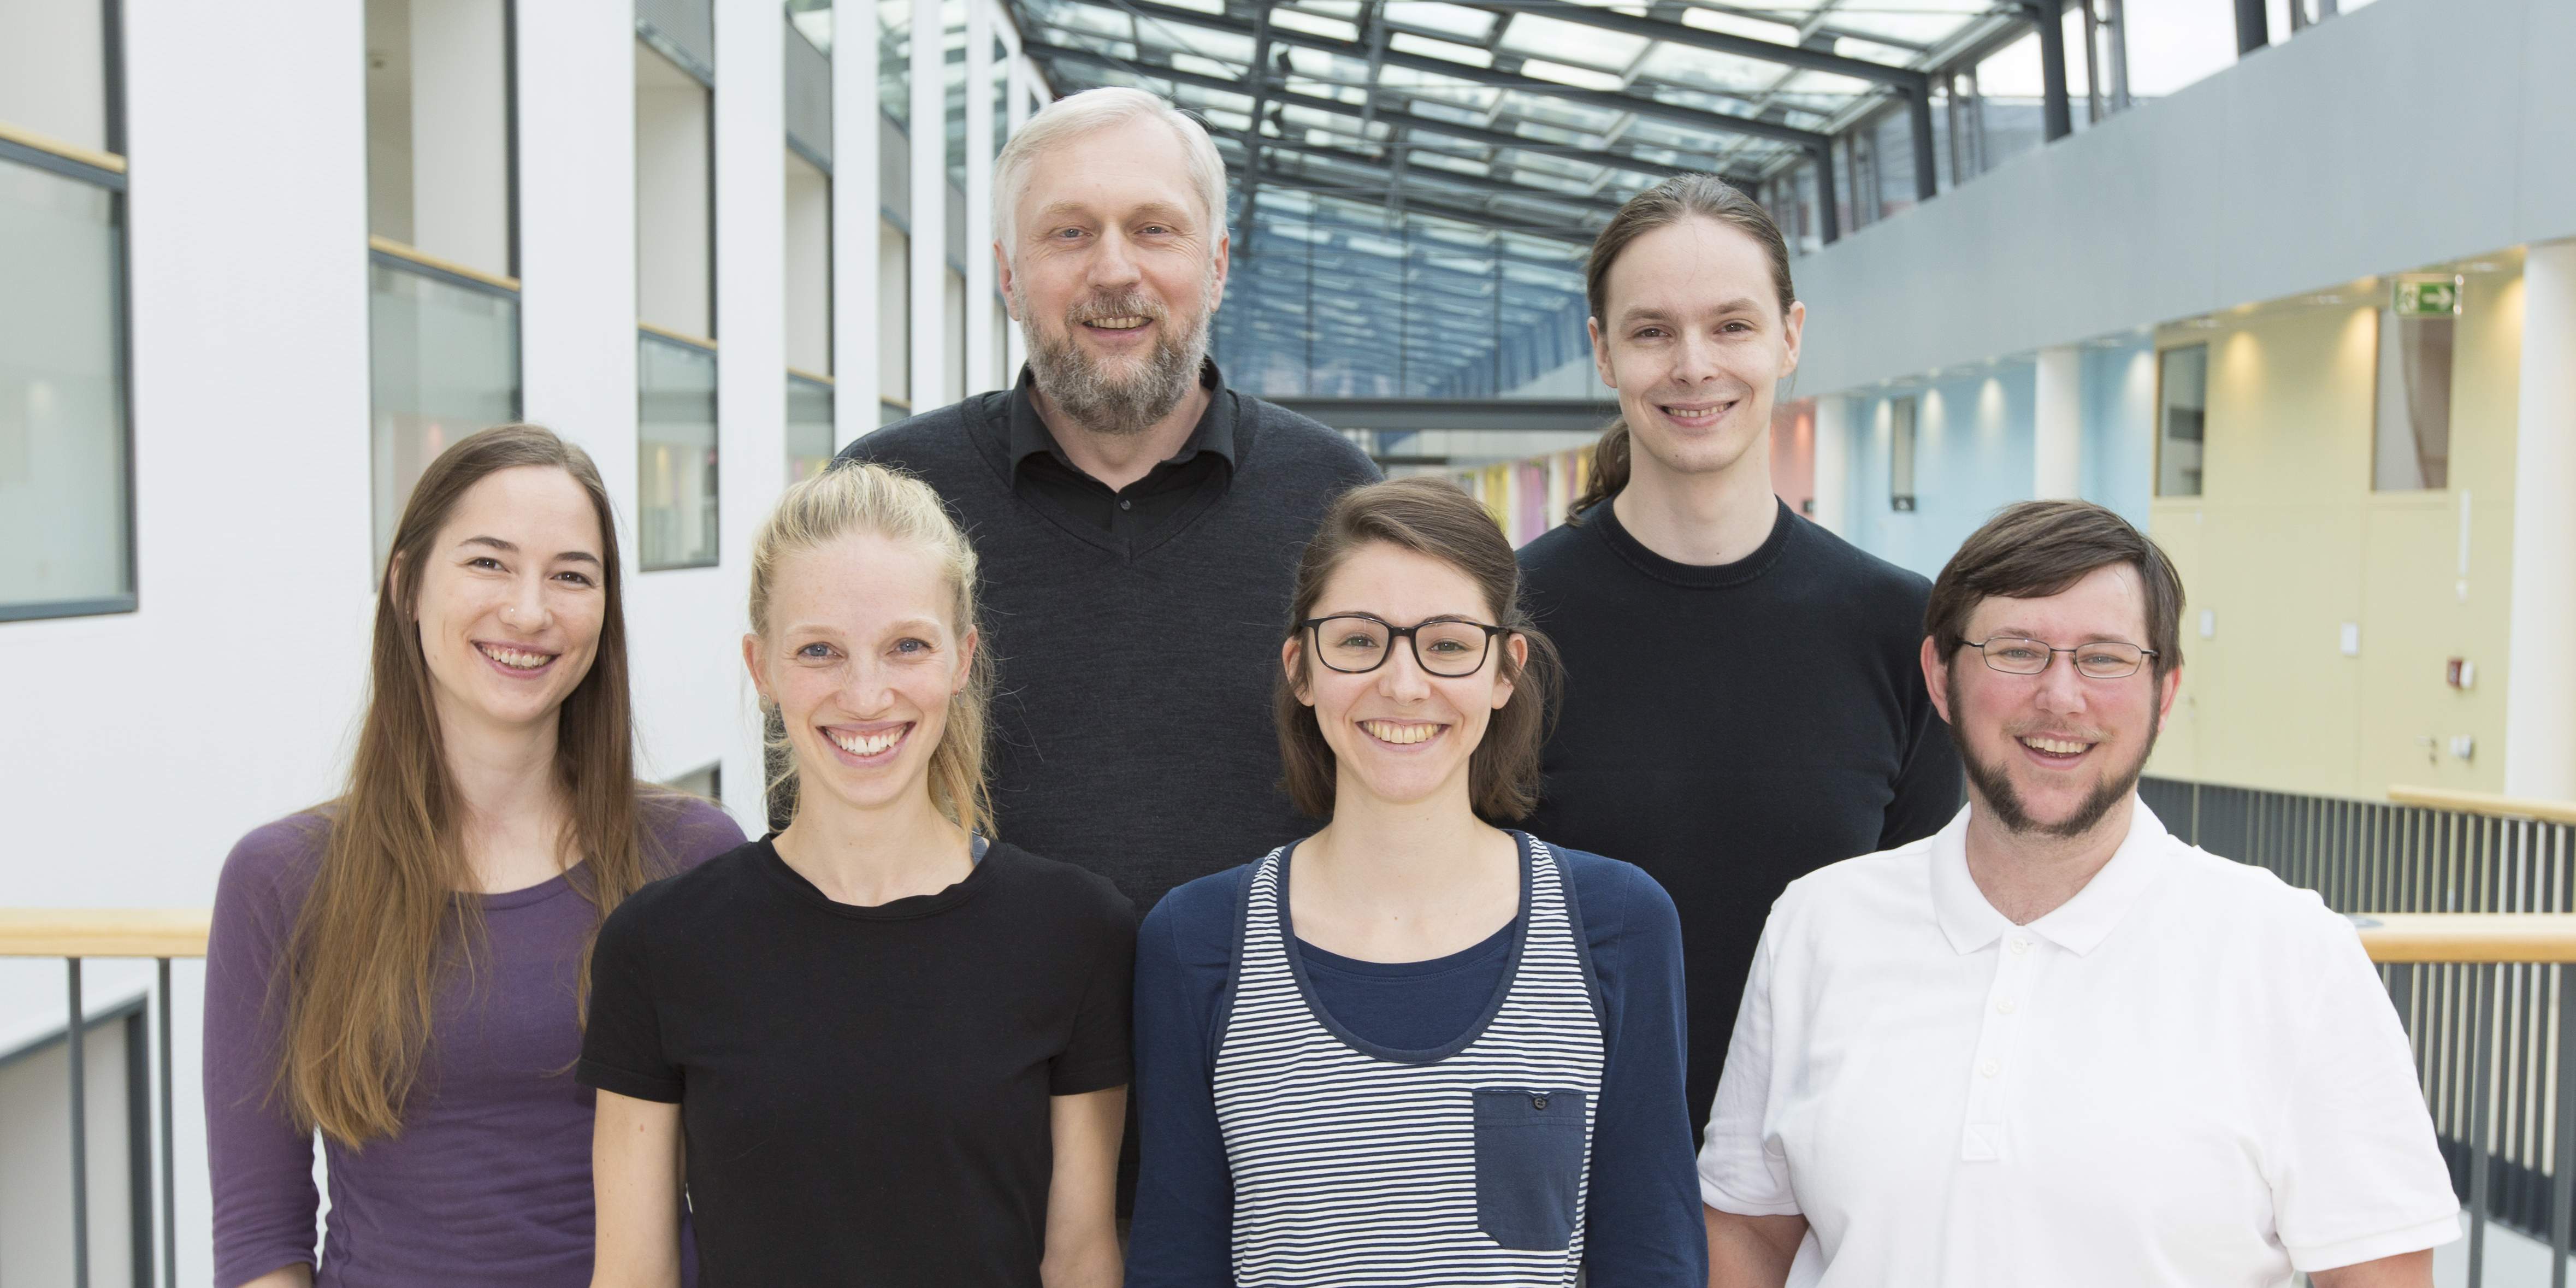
(1603,521)
(794,885)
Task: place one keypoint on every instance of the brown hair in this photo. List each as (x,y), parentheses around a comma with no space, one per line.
(1684,196)
(869,498)
(2038,548)
(382,925)
(1428,516)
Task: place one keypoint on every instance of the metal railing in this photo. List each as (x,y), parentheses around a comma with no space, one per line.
(76,935)
(2468,902)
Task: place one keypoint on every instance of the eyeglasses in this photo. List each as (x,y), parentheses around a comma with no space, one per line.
(1446,647)
(2099,660)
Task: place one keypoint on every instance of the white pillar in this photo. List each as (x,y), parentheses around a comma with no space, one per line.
(2057,454)
(1833,462)
(1015,113)
(929,216)
(855,201)
(2540,710)
(978,250)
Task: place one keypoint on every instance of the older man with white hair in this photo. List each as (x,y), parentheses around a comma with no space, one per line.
(1138,522)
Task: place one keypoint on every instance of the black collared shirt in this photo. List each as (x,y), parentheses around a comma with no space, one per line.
(1040,471)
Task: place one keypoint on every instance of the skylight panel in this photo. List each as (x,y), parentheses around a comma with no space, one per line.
(1189,62)
(1911,22)
(1444,19)
(1708,69)
(1555,38)
(1815,82)
(1313,25)
(1777,33)
(1215,44)
(1407,42)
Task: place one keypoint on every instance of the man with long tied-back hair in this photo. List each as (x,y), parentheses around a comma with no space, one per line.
(403,968)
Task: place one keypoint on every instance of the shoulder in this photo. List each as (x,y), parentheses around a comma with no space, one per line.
(1856,573)
(1606,886)
(685,830)
(929,442)
(1302,442)
(1556,548)
(2243,904)
(1868,890)
(273,865)
(1066,889)
(674,903)
(1195,922)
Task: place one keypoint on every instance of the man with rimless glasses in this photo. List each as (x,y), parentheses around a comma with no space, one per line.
(2052,1044)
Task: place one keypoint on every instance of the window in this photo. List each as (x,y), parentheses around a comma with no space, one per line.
(809,426)
(675,452)
(443,311)
(1900,453)
(2413,449)
(894,321)
(66,490)
(2182,400)
(676,447)
(706,780)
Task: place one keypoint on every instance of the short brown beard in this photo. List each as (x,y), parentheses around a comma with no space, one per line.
(1995,785)
(1105,404)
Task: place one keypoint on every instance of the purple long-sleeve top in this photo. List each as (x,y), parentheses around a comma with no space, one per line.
(488,1182)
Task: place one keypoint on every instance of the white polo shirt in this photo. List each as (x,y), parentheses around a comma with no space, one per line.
(2189,1074)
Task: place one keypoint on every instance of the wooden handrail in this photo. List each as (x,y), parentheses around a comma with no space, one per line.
(2472,937)
(104,932)
(2485,803)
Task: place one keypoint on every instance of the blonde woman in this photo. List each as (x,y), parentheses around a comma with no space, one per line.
(401,969)
(895,1049)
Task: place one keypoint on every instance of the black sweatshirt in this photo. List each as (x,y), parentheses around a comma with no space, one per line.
(1131,726)
(1732,728)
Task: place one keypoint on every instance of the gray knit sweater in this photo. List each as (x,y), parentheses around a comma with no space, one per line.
(1132,730)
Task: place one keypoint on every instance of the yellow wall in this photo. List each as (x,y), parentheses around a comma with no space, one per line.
(2289,542)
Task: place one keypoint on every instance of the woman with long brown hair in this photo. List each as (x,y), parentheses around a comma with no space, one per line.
(402,969)
(1804,736)
(1417,1046)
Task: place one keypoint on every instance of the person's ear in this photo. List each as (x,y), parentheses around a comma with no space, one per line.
(966,662)
(1600,352)
(1517,645)
(1793,330)
(1292,660)
(1936,678)
(751,663)
(2169,686)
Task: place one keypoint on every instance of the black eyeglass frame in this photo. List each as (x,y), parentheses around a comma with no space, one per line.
(2144,656)
(1313,627)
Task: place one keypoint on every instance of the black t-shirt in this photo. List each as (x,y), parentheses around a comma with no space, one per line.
(1732,728)
(865,1091)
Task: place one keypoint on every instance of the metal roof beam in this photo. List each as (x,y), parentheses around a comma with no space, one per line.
(1603,99)
(1772,51)
(1417,176)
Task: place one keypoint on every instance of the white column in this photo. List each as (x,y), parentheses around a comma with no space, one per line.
(2540,710)
(1833,462)
(855,202)
(1015,101)
(929,217)
(978,251)
(2057,454)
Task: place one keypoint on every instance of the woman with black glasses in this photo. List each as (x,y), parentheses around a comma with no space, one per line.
(1415,1046)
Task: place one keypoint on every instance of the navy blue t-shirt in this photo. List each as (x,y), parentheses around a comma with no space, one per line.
(1643,1226)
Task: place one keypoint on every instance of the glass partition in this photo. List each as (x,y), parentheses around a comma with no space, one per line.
(675,453)
(444,362)
(65,521)
(2182,402)
(809,427)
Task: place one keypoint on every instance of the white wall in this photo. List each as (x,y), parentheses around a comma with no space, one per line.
(2327,158)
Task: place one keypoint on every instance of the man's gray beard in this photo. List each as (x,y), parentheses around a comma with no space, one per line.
(1103,404)
(1995,785)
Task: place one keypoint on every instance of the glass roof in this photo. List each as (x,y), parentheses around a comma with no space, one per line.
(1542,114)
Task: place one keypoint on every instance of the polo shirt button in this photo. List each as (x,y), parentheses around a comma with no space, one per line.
(1125,504)
(2021,945)
(1990,1068)
(2005,1006)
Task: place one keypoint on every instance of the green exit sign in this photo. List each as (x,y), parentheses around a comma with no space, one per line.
(2427,297)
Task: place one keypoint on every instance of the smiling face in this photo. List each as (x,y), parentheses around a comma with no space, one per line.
(1398,733)
(861,660)
(1116,273)
(2053,753)
(509,603)
(1696,345)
